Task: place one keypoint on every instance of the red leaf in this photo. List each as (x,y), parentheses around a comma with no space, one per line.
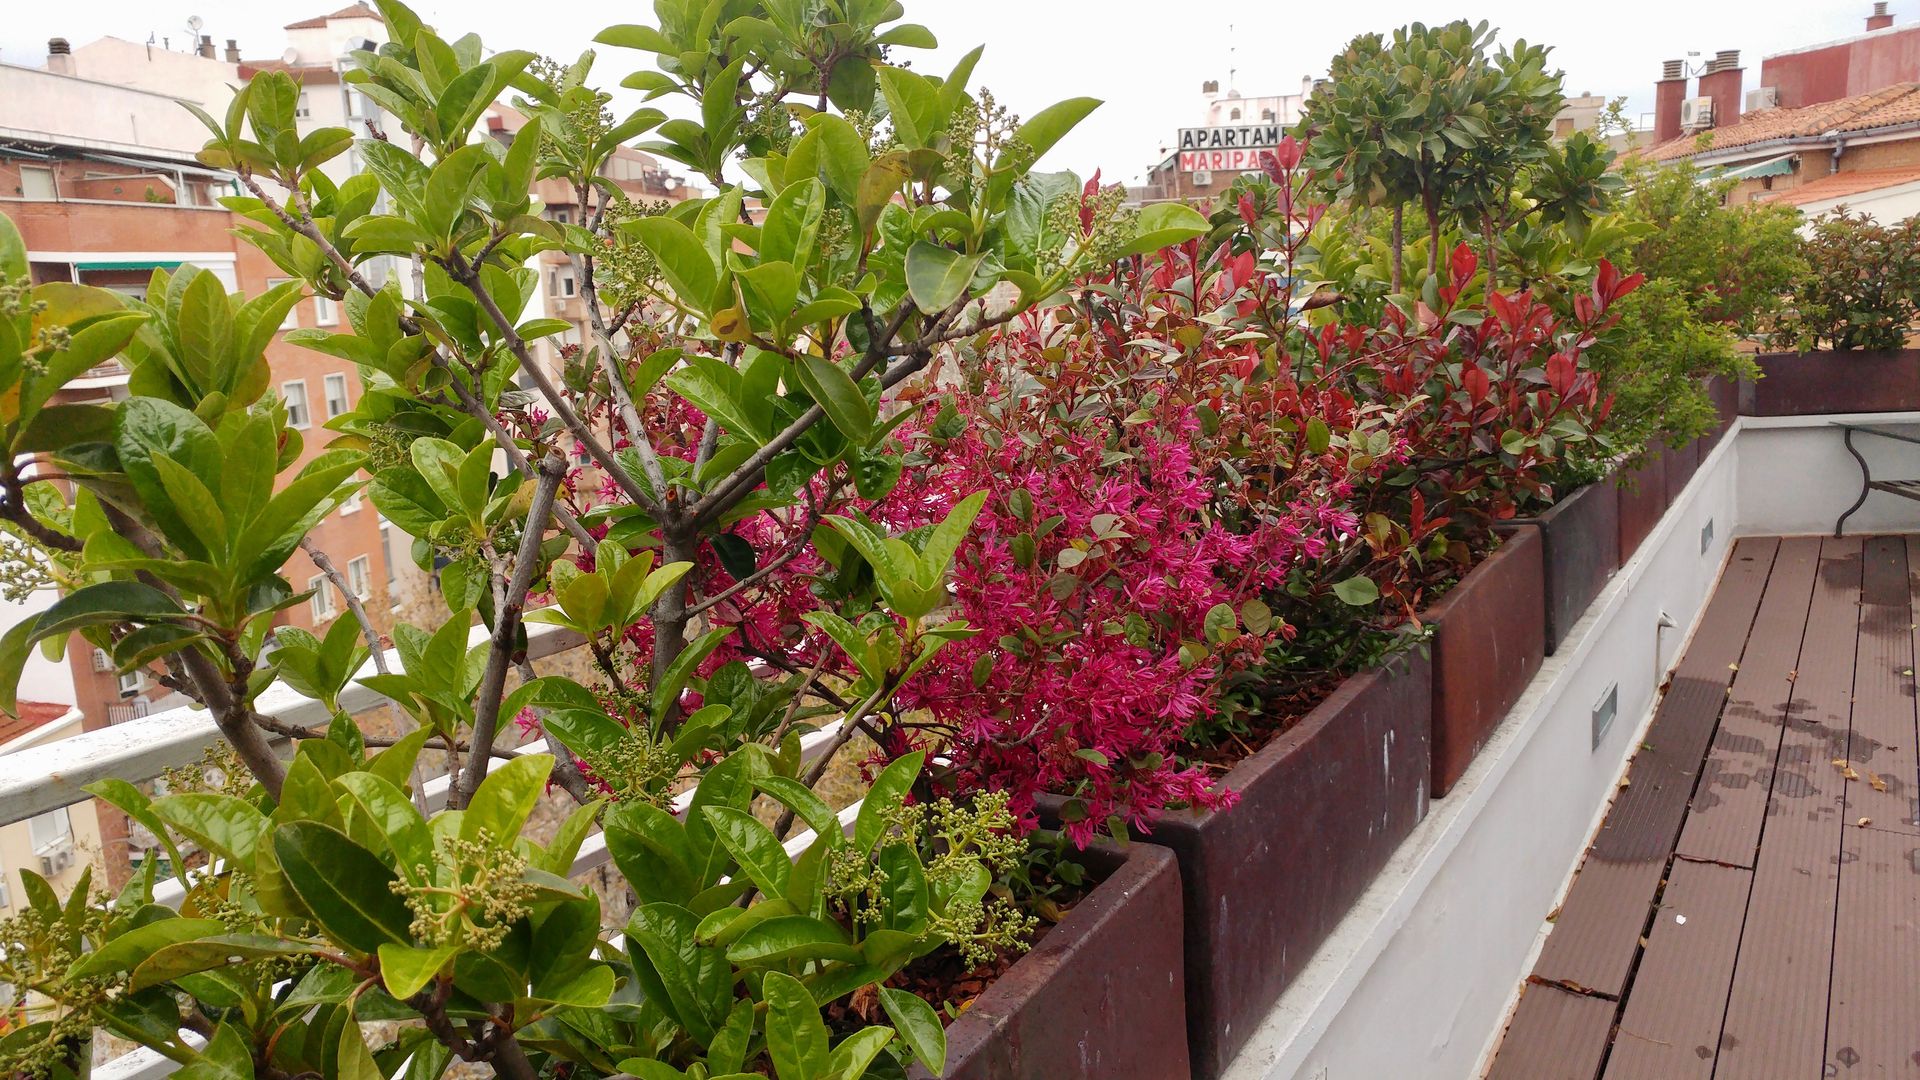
(1247,212)
(1288,153)
(1475,381)
(1086,203)
(1560,372)
(1463,264)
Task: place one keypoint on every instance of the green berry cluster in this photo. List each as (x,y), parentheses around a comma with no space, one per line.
(37,950)
(484,896)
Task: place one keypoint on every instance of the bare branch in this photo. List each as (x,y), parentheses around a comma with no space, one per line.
(506,624)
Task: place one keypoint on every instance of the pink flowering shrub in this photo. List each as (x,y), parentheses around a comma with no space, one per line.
(1144,498)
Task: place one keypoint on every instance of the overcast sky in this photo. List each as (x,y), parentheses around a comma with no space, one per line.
(1145,60)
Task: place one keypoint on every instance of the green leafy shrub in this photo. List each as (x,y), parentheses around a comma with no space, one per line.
(1861,289)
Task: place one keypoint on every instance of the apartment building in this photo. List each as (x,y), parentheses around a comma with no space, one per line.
(1830,124)
(97,169)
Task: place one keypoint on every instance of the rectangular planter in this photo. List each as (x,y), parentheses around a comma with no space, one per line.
(1725,393)
(1811,383)
(1643,499)
(1580,535)
(1321,810)
(1489,638)
(1100,996)
(1680,465)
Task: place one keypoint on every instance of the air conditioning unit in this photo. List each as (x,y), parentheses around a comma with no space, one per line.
(1696,113)
(56,861)
(1761,98)
(101,661)
(1203,178)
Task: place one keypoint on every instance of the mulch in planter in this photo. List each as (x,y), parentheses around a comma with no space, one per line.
(1580,536)
(1813,383)
(1643,499)
(1321,810)
(1098,996)
(1489,639)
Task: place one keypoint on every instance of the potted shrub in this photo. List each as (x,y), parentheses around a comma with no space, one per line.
(727,405)
(1851,320)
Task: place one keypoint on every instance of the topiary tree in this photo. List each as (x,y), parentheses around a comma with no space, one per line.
(1431,117)
(737,384)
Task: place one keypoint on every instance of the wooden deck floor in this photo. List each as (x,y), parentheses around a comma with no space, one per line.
(1751,905)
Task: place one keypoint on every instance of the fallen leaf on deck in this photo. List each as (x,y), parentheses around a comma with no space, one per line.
(1878,783)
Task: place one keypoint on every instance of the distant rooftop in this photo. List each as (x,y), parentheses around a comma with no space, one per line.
(32,715)
(352,11)
(1886,107)
(1845,184)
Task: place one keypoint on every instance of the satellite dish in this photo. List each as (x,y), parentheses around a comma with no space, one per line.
(290,57)
(195,22)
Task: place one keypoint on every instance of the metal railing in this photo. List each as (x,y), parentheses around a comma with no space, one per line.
(141,748)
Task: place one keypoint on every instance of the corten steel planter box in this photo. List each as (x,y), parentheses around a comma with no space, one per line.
(1580,537)
(1490,635)
(1725,393)
(1810,383)
(1321,810)
(1680,463)
(1098,997)
(1643,499)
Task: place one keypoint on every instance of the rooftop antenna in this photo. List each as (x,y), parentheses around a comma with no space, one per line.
(1230,60)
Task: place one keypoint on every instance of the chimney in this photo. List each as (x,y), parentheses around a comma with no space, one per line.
(1881,17)
(233,51)
(1721,82)
(60,56)
(1667,95)
(206,46)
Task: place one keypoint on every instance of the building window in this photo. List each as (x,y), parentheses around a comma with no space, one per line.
(37,183)
(560,282)
(563,216)
(132,682)
(50,830)
(292,319)
(321,603)
(360,577)
(295,393)
(386,548)
(1266,114)
(325,311)
(336,386)
(1234,115)
(350,505)
(302,107)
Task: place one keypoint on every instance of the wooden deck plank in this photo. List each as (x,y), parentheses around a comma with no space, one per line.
(1873,1019)
(1880,741)
(1554,1035)
(1597,934)
(1730,801)
(1777,1006)
(1671,1025)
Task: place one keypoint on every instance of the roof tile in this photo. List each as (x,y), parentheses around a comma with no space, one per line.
(1887,106)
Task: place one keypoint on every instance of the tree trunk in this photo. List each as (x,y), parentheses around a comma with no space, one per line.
(1399,241)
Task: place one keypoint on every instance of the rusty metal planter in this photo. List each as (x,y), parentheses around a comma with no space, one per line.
(1725,393)
(1321,810)
(1099,997)
(1680,465)
(1643,499)
(1580,536)
(1810,383)
(1489,639)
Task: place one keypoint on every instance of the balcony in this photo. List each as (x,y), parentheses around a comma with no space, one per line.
(1724,647)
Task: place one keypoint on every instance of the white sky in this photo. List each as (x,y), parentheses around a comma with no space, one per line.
(1146,60)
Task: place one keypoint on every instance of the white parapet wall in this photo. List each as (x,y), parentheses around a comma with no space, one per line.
(1417,981)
